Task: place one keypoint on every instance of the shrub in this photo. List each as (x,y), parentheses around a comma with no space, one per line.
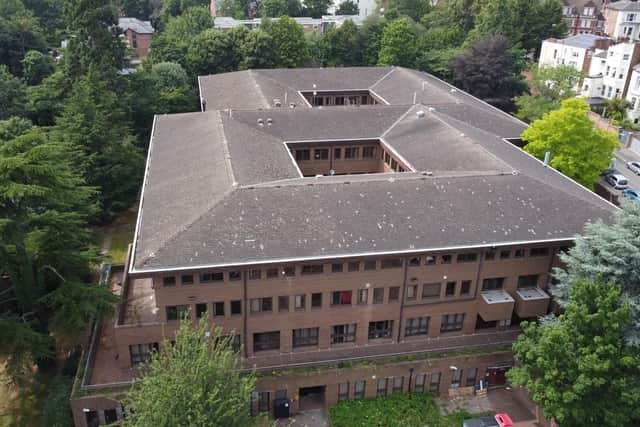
(57,411)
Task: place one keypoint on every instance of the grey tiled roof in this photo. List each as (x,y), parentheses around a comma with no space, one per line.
(624,5)
(135,25)
(584,41)
(222,189)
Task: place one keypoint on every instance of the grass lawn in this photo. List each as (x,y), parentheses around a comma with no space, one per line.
(396,410)
(121,237)
(23,407)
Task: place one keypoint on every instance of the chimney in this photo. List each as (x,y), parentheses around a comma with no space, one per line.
(212,8)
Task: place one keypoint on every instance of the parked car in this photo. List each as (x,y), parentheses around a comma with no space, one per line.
(617,181)
(631,194)
(498,420)
(607,171)
(634,167)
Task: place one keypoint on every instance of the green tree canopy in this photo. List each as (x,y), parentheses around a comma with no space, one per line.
(317,8)
(141,9)
(344,46)
(577,148)
(617,108)
(398,43)
(489,70)
(194,382)
(548,87)
(578,368)
(36,66)
(348,7)
(610,252)
(414,9)
(20,32)
(212,52)
(12,95)
(289,42)
(274,8)
(46,100)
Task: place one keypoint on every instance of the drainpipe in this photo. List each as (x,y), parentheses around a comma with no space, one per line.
(245,308)
(402,296)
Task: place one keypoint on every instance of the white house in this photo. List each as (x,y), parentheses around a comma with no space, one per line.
(622,19)
(610,71)
(574,50)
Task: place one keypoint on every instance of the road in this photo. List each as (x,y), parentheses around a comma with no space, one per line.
(622,157)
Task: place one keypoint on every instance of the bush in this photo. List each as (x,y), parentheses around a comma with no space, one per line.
(57,411)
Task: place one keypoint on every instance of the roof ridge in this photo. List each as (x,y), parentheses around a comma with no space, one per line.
(255,83)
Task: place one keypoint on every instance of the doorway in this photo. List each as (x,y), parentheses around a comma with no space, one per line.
(311,398)
(496,376)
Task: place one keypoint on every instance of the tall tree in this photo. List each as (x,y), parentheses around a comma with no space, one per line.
(194,382)
(548,87)
(577,367)
(141,9)
(317,8)
(612,253)
(36,66)
(371,31)
(20,32)
(12,95)
(94,38)
(274,8)
(46,100)
(414,9)
(348,7)
(288,41)
(211,52)
(398,43)
(259,51)
(577,148)
(489,70)
(344,45)
(94,121)
(45,248)
(617,108)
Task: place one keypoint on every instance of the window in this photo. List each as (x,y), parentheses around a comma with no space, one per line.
(391,263)
(434,384)
(211,277)
(218,308)
(465,287)
(630,17)
(272,273)
(418,385)
(302,155)
(363,296)
(470,257)
(177,312)
(337,153)
(378,295)
(505,254)
(490,255)
(370,265)
(414,261)
(263,401)
(446,259)
(316,300)
(625,57)
(492,283)
(430,260)
(259,305)
(235,275)
(471,377)
(394,164)
(368,152)
(416,326)
(519,253)
(358,391)
(255,274)
(110,415)
(351,153)
(431,290)
(92,418)
(169,281)
(312,269)
(451,289)
(283,303)
(394,294)
(354,266)
(343,333)
(299,302)
(382,329)
(387,158)
(266,341)
(289,271)
(201,310)
(456,376)
(528,281)
(412,291)
(141,353)
(321,153)
(236,307)
(186,279)
(341,298)
(337,268)
(452,322)
(381,390)
(398,383)
(539,252)
(343,391)
(305,337)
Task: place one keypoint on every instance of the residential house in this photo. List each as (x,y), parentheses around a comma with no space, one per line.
(138,35)
(320,217)
(575,51)
(622,20)
(583,16)
(310,25)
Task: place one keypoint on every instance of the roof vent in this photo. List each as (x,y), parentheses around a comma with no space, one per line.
(431,109)
(277,103)
(269,121)
(454,90)
(260,122)
(292,105)
(420,114)
(427,173)
(514,172)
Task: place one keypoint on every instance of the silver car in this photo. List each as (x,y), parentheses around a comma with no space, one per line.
(634,167)
(617,181)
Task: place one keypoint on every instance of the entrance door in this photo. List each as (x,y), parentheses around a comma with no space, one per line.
(311,398)
(496,376)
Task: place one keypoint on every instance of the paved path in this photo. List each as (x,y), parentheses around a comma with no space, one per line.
(310,418)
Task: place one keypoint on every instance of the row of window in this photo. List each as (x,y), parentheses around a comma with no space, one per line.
(340,334)
(354,266)
(347,153)
(391,162)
